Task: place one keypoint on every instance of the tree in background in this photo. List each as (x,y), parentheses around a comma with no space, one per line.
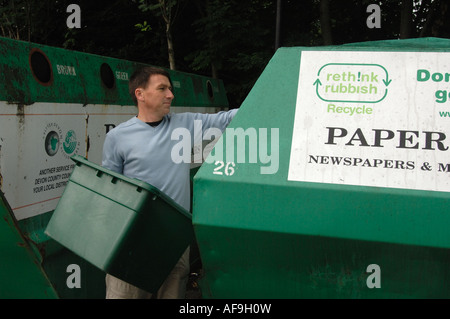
(234,41)
(30,20)
(12,15)
(325,22)
(434,19)
(168,10)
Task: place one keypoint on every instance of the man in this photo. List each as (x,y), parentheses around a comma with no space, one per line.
(141,148)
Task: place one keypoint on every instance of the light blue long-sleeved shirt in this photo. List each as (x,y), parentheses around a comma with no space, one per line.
(138,150)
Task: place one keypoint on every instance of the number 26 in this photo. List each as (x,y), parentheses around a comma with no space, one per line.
(227,168)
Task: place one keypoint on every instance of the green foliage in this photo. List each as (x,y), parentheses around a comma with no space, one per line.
(143,26)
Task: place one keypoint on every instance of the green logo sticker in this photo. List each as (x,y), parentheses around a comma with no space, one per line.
(52,138)
(352,83)
(70,142)
(52,143)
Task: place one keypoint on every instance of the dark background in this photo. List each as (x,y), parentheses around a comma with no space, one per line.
(229,39)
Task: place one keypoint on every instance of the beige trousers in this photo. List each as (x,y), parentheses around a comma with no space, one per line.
(174,287)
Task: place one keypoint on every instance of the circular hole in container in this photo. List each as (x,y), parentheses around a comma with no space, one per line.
(107,76)
(210,89)
(41,67)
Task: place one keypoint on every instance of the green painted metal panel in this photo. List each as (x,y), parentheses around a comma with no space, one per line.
(22,274)
(55,260)
(31,72)
(264,236)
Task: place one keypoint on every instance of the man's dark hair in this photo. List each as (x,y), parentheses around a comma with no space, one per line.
(140,78)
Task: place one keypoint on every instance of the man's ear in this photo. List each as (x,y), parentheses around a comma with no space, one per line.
(139,93)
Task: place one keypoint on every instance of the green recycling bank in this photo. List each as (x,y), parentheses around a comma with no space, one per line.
(333,180)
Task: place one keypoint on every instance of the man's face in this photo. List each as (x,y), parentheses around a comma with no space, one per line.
(157,97)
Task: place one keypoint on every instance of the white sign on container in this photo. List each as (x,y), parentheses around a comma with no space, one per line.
(373,119)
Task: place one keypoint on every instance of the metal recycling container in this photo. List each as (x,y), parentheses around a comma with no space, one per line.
(332,181)
(55,103)
(123,226)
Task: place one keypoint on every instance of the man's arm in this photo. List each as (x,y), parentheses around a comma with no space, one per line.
(110,157)
(218,120)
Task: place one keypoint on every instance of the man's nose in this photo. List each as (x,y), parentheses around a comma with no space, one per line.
(170,94)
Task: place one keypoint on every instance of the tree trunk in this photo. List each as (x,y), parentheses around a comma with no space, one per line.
(166,11)
(406,19)
(170,47)
(213,58)
(429,18)
(438,28)
(278,26)
(325,22)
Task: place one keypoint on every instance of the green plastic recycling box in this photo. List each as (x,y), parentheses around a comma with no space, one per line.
(333,179)
(123,226)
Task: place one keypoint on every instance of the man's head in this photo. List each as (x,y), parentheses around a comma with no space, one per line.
(141,77)
(151,90)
